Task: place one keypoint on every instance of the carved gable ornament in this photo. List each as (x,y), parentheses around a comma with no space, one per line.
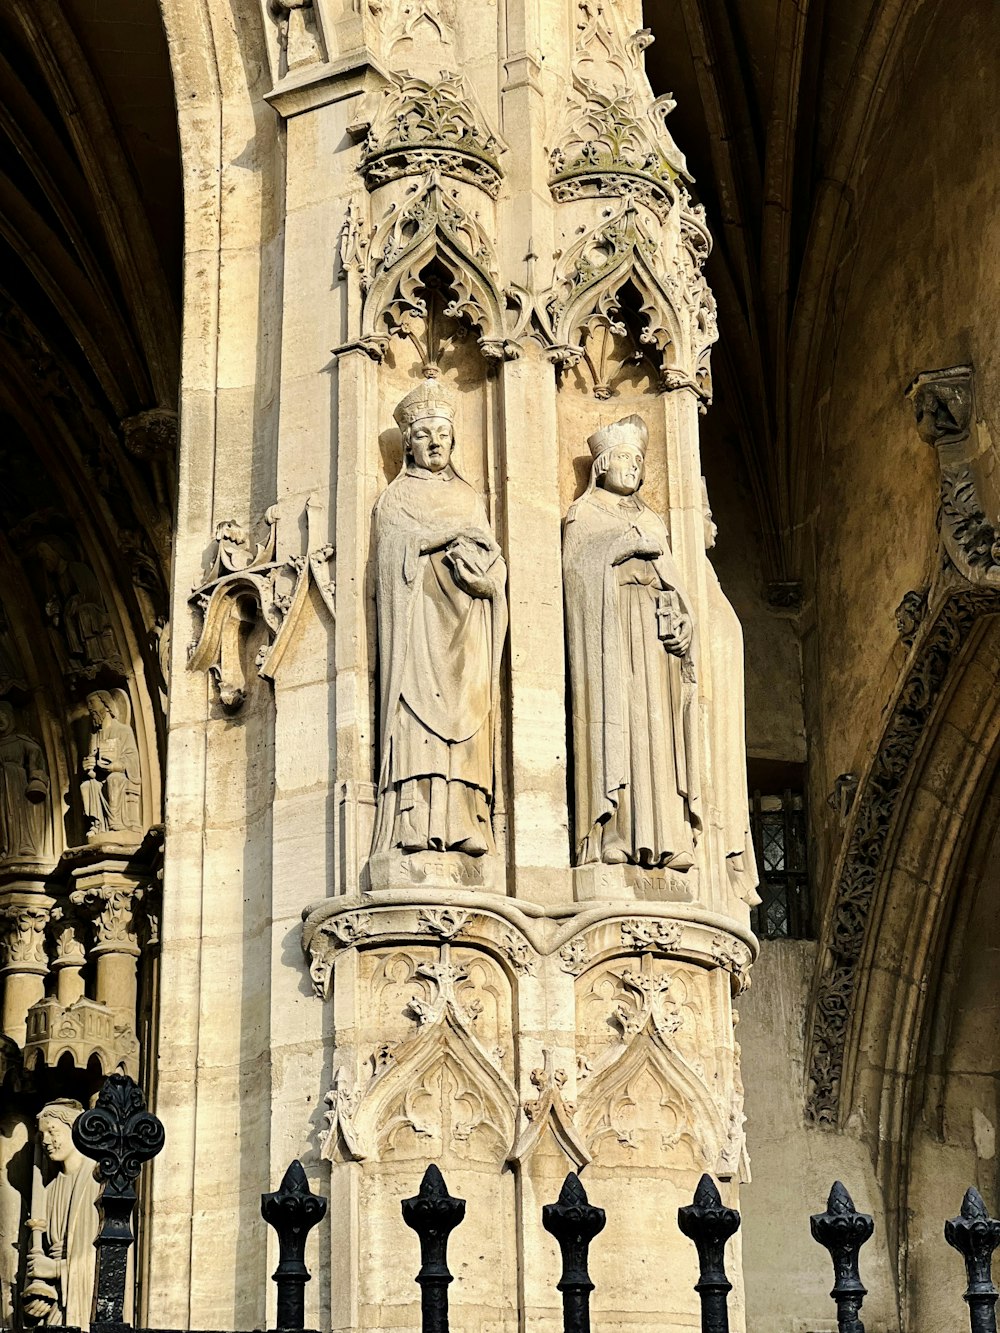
(423,126)
(429,225)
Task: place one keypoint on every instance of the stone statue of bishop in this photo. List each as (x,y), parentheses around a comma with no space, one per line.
(442,618)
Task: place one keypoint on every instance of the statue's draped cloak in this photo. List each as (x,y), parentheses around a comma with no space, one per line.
(439,647)
(633,712)
(71,1223)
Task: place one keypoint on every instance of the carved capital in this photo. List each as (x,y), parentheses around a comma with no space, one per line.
(113,914)
(22,936)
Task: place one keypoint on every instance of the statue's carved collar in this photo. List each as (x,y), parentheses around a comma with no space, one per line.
(425,474)
(631,504)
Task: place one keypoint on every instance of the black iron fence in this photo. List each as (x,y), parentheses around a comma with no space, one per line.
(120,1134)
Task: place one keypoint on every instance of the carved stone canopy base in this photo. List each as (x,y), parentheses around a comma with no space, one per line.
(84,1031)
(388,871)
(603,883)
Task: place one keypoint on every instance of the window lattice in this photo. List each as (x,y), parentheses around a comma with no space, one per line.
(779,835)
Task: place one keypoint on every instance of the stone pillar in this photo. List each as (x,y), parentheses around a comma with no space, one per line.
(482,204)
(111,902)
(24,916)
(69,955)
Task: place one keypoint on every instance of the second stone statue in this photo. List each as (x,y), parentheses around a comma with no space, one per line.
(440,584)
(630,630)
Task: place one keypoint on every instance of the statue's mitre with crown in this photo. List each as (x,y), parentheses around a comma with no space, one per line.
(629,430)
(429,398)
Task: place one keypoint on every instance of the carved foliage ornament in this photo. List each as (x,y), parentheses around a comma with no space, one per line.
(611,146)
(247,586)
(424,126)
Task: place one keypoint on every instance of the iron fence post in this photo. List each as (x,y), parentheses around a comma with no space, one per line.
(710,1225)
(120,1134)
(976,1235)
(843,1230)
(574,1221)
(433,1214)
(293,1210)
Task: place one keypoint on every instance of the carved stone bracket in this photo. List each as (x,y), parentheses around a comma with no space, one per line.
(944,408)
(245,587)
(942,637)
(113,911)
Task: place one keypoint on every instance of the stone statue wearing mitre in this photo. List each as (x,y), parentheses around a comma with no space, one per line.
(630,627)
(442,618)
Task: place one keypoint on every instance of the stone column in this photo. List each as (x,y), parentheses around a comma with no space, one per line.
(69,956)
(111,902)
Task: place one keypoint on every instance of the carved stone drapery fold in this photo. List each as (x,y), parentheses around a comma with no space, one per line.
(246,587)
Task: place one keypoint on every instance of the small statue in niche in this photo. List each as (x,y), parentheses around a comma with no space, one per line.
(442,618)
(24,785)
(75,607)
(630,629)
(61,1258)
(112,785)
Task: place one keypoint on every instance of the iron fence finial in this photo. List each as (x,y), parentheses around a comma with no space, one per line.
(293,1210)
(842,1230)
(574,1221)
(433,1214)
(710,1224)
(976,1235)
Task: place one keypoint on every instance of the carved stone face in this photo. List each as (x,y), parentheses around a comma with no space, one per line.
(431,442)
(624,471)
(97,710)
(6,720)
(57,1138)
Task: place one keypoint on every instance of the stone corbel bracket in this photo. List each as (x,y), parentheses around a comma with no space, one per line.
(246,587)
(944,407)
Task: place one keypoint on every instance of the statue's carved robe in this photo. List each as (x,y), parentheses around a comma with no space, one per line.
(439,668)
(24,780)
(634,748)
(71,1224)
(112,799)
